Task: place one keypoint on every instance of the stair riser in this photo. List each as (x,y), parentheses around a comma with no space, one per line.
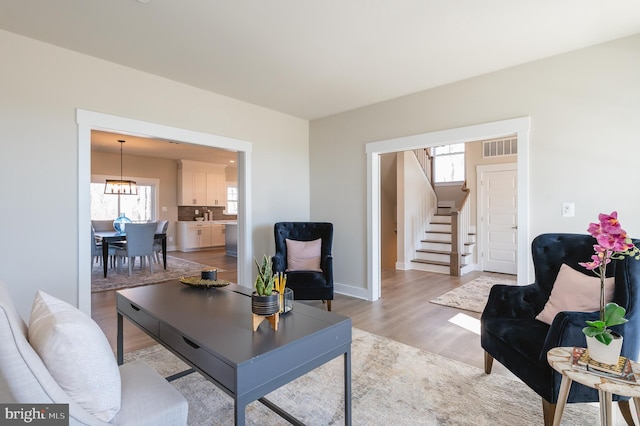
(433,236)
(442,219)
(430,268)
(436,257)
(435,246)
(439,227)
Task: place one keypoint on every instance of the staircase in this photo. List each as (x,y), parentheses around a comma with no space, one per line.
(434,253)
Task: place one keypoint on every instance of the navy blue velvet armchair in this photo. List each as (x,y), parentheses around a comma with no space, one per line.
(511,334)
(306,285)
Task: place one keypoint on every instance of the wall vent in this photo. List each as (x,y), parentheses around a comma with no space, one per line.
(499,147)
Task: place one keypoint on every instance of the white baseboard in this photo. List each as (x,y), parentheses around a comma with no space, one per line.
(403,266)
(351,291)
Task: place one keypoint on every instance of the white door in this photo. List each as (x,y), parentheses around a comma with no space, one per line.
(498,217)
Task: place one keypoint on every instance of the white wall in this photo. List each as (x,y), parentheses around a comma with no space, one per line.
(584,147)
(43,85)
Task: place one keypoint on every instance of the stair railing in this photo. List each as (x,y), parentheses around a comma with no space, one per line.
(426,163)
(460,227)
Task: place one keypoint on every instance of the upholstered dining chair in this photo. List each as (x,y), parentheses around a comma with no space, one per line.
(161,228)
(303,252)
(511,334)
(96,250)
(140,237)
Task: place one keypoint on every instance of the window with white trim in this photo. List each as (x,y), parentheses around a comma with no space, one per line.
(232,199)
(138,208)
(448,163)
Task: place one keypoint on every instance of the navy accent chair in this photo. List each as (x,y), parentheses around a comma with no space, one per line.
(511,334)
(306,285)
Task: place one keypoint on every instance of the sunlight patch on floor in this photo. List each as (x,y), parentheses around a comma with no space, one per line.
(466,322)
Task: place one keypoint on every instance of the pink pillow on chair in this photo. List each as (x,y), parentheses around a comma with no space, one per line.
(575,291)
(303,255)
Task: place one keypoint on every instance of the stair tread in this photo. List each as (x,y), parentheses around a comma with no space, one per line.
(431,262)
(440,252)
(438,232)
(433,251)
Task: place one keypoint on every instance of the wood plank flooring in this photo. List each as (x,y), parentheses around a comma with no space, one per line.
(403,313)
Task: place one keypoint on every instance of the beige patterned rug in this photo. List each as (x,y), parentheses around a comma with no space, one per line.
(473,295)
(392,384)
(176,268)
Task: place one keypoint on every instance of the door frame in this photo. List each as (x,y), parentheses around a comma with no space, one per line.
(89,120)
(480,224)
(519,127)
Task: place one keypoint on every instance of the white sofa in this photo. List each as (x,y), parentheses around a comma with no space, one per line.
(146,397)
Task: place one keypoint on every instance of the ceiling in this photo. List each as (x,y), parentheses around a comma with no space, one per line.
(159,148)
(312,59)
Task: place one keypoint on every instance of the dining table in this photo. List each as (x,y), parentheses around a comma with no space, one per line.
(108,237)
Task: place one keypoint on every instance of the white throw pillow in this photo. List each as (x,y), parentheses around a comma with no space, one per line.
(77,354)
(575,291)
(303,255)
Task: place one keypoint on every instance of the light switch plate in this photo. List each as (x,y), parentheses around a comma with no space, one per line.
(568,209)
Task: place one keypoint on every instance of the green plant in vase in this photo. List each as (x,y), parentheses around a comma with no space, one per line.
(613,243)
(265,280)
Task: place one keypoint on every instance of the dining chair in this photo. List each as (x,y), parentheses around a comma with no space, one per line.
(139,243)
(96,250)
(161,228)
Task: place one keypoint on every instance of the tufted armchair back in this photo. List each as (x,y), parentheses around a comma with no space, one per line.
(550,251)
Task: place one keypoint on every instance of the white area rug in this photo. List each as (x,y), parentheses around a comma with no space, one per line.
(392,384)
(176,268)
(473,295)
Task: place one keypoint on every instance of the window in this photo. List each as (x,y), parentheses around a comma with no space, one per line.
(232,199)
(138,208)
(448,163)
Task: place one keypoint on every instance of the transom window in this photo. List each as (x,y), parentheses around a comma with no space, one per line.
(448,163)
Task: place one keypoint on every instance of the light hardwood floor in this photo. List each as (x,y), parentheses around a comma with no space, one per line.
(403,313)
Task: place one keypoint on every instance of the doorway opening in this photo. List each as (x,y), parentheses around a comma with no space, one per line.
(88,121)
(518,127)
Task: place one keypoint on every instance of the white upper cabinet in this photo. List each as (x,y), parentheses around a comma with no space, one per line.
(216,189)
(201,184)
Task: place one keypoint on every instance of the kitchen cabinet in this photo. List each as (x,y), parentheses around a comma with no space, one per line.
(216,189)
(217,235)
(194,235)
(201,184)
(192,188)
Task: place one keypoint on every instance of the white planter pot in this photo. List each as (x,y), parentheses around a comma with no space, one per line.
(606,354)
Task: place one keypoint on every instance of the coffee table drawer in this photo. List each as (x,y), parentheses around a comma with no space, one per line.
(197,356)
(140,317)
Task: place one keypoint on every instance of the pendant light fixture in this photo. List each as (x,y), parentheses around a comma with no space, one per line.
(122,186)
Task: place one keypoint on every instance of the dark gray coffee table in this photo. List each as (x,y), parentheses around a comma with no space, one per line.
(211,331)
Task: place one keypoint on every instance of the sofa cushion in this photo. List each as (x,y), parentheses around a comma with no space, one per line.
(303,255)
(576,292)
(77,354)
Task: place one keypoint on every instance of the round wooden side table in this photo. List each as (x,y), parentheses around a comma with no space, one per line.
(560,359)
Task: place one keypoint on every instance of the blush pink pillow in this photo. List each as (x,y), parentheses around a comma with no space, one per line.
(575,291)
(303,255)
